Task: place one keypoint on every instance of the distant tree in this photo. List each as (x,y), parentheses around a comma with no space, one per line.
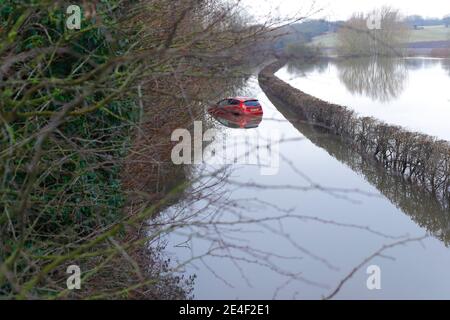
(358,37)
(446,20)
(301,51)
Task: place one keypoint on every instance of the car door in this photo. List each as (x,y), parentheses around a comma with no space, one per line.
(233,105)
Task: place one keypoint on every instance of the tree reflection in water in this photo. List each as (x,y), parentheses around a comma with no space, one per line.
(381,79)
(446,65)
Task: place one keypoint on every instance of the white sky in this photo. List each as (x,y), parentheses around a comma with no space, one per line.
(343,9)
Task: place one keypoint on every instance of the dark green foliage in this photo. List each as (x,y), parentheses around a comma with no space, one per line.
(74,190)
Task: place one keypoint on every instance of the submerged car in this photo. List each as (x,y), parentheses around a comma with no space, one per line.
(236,120)
(240,105)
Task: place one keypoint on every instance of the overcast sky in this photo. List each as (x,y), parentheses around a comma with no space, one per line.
(342,9)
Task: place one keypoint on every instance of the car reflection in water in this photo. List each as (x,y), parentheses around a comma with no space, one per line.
(238,112)
(235,120)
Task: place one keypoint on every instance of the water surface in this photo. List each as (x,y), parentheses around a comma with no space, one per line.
(299,241)
(411,92)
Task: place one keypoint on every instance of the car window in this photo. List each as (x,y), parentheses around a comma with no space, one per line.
(223,103)
(252,103)
(233,102)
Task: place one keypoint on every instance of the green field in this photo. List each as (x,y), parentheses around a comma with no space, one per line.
(327,40)
(433,33)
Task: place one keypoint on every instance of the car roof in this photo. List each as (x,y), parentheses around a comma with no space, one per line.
(243,98)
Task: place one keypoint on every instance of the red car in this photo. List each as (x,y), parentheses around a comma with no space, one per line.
(240,105)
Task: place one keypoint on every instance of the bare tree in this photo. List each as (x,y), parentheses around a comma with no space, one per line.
(380,32)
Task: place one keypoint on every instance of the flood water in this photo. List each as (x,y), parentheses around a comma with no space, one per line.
(411,92)
(297,232)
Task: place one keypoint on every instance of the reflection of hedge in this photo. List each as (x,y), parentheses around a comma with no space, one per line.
(422,207)
(417,157)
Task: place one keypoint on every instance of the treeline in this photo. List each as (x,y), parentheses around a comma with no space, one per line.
(300,33)
(307,30)
(416,21)
(294,39)
(77,108)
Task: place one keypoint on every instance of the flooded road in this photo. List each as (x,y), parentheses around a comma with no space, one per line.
(296,233)
(389,89)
